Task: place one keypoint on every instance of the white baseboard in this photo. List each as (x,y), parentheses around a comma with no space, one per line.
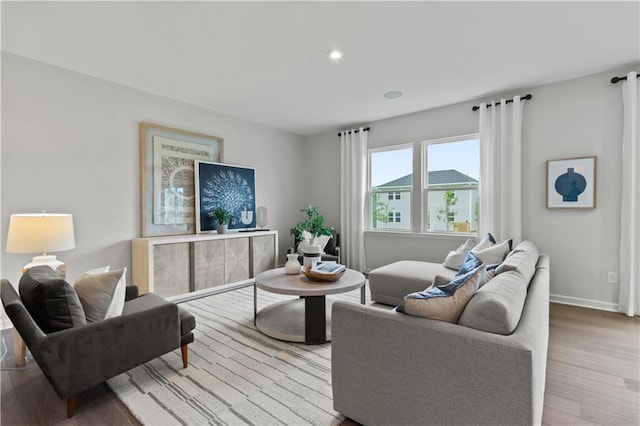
(584,303)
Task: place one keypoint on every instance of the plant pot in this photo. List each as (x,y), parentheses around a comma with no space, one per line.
(222,229)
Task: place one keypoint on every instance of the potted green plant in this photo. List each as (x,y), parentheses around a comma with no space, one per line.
(221,216)
(313,224)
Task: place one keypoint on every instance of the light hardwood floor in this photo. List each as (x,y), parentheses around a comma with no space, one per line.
(593,368)
(593,377)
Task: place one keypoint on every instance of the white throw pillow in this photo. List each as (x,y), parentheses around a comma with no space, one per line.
(99,270)
(486,242)
(493,254)
(102,294)
(455,258)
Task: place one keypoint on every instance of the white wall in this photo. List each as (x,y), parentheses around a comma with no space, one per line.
(70,144)
(573,118)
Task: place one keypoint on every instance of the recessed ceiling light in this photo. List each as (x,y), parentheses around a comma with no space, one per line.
(336,54)
(393,94)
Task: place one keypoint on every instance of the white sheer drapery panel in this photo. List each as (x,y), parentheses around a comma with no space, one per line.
(353,181)
(629,297)
(501,169)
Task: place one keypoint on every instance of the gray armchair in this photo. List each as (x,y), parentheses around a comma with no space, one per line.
(78,358)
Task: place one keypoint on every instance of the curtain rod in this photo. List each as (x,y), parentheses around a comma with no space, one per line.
(528,96)
(614,80)
(366,129)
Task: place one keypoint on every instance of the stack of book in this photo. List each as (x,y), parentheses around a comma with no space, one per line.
(323,267)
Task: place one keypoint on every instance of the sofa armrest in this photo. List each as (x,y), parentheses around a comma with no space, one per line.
(78,358)
(391,368)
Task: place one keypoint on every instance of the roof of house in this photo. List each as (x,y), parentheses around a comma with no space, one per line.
(436,177)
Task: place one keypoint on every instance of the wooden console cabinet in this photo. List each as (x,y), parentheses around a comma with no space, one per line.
(180,265)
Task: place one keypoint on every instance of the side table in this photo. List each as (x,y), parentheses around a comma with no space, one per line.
(307,319)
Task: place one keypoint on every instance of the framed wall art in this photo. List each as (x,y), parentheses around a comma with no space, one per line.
(167,158)
(571,183)
(226,186)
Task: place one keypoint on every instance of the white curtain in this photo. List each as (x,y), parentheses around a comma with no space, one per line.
(500,171)
(630,211)
(353,181)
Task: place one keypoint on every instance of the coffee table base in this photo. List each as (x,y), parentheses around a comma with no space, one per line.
(288,320)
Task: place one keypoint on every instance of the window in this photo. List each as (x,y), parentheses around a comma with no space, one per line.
(394,217)
(451,179)
(390,187)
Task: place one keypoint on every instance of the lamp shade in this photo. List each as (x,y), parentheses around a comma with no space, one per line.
(40,233)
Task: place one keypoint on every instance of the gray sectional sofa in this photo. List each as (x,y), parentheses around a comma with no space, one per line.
(489,368)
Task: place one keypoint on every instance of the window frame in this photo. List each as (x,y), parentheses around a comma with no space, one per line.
(424,173)
(394,190)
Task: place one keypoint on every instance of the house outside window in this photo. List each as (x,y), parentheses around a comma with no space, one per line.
(390,187)
(394,217)
(450,190)
(448,197)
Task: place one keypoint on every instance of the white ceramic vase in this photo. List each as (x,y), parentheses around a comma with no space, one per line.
(292,267)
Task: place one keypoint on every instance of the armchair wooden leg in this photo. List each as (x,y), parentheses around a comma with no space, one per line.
(185,356)
(19,349)
(71,405)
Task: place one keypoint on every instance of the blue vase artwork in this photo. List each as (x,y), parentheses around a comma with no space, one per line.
(570,185)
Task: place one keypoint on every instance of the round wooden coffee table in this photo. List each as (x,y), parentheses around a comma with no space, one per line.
(307,319)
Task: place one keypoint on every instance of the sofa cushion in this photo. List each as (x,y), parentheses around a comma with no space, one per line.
(444,302)
(102,294)
(51,301)
(522,259)
(390,283)
(455,258)
(497,306)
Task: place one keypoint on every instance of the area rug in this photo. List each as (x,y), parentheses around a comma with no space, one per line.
(236,375)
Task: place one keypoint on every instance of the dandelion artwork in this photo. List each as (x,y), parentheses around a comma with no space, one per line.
(225,186)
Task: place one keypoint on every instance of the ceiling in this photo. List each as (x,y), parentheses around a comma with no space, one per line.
(267,61)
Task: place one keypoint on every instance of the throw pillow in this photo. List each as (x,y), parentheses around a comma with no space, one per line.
(51,301)
(102,295)
(493,254)
(98,270)
(455,258)
(470,263)
(444,302)
(486,242)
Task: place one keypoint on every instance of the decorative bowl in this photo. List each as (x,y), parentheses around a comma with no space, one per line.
(320,277)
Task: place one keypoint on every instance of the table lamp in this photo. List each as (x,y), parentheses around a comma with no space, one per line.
(41,233)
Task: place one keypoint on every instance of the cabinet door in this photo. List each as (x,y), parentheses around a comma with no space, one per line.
(171,269)
(236,259)
(264,253)
(208,264)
